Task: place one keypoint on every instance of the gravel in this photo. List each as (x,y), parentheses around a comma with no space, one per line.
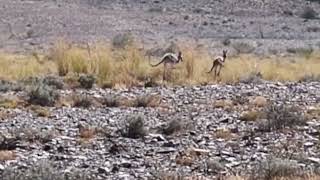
(195,149)
(262,27)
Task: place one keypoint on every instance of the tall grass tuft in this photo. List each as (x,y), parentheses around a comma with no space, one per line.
(128,66)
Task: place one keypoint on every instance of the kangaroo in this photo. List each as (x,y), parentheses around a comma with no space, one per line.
(169,60)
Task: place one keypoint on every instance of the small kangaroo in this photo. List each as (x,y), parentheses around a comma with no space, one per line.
(169,59)
(218,63)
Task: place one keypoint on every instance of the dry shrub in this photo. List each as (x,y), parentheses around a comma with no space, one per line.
(40,111)
(111,101)
(43,169)
(134,127)
(7,155)
(83,101)
(309,13)
(250,115)
(10,86)
(223,133)
(172,127)
(86,132)
(42,94)
(86,81)
(259,101)
(281,116)
(223,103)
(275,168)
(146,101)
(8,103)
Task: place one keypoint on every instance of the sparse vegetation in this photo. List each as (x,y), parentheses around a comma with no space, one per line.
(135,127)
(243,47)
(7,155)
(43,169)
(146,101)
(281,116)
(249,115)
(111,101)
(122,40)
(82,101)
(53,81)
(9,86)
(274,168)
(87,81)
(130,67)
(309,13)
(172,127)
(40,111)
(87,132)
(41,94)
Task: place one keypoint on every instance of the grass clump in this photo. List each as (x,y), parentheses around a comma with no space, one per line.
(129,66)
(310,78)
(6,86)
(122,40)
(43,95)
(275,168)
(172,127)
(53,81)
(281,116)
(43,169)
(146,101)
(111,101)
(82,101)
(87,81)
(309,13)
(250,115)
(135,127)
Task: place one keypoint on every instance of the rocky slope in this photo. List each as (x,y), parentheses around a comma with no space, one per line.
(210,134)
(271,26)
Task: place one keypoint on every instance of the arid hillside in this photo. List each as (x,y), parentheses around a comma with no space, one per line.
(268,26)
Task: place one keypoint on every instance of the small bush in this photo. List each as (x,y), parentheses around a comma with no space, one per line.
(9,86)
(243,48)
(135,127)
(146,101)
(122,40)
(249,115)
(41,170)
(8,143)
(86,132)
(53,81)
(41,111)
(172,127)
(111,101)
(82,101)
(309,13)
(310,78)
(87,81)
(281,116)
(41,94)
(252,78)
(274,168)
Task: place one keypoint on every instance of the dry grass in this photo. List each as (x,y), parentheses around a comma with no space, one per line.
(223,133)
(40,111)
(7,155)
(130,67)
(251,115)
(87,133)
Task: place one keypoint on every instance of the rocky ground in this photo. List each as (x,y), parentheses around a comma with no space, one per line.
(200,131)
(272,26)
